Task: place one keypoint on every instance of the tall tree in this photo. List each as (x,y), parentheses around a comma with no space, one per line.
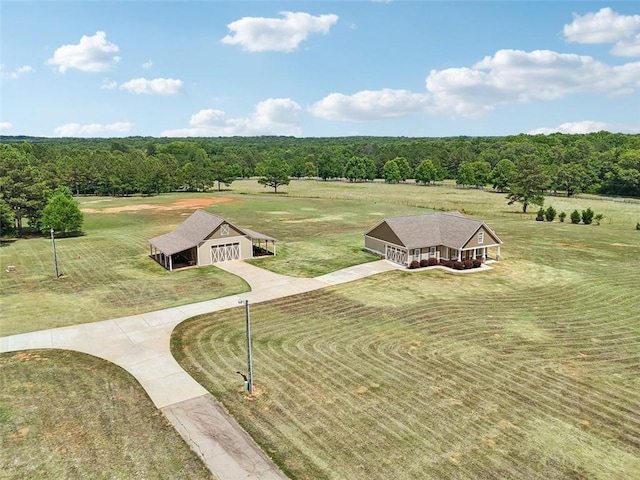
(62,213)
(528,182)
(404,168)
(6,219)
(466,174)
(429,171)
(221,173)
(572,177)
(391,172)
(275,173)
(502,173)
(356,169)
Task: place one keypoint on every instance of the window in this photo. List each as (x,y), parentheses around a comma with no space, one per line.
(481,237)
(224,229)
(432,252)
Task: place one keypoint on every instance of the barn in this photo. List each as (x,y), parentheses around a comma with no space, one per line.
(204,239)
(441,235)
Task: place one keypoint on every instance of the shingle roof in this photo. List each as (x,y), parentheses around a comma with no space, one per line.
(194,230)
(450,229)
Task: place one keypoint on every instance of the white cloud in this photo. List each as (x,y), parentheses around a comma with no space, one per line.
(370,105)
(627,48)
(606,26)
(157,86)
(258,34)
(147,65)
(17,73)
(508,77)
(108,84)
(515,76)
(585,126)
(92,54)
(92,130)
(4,126)
(274,116)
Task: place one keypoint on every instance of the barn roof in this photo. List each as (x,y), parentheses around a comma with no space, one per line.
(194,230)
(451,229)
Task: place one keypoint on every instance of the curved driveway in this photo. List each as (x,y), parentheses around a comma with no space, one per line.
(140,345)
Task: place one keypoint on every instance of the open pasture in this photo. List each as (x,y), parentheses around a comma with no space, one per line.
(105,273)
(67,415)
(528,371)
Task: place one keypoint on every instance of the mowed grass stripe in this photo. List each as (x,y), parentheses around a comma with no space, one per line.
(444,381)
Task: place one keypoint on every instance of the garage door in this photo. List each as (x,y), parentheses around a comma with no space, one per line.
(224,253)
(395,254)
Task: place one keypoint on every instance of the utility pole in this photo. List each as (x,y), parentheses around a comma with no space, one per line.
(55,257)
(247,313)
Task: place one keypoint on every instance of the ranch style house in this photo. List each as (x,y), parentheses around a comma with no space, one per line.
(204,239)
(442,235)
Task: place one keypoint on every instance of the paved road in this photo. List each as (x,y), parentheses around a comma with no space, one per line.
(140,345)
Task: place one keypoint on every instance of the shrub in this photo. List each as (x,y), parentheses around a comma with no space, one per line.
(638,226)
(540,216)
(457,265)
(446,263)
(477,263)
(550,214)
(575,217)
(468,264)
(432,262)
(424,262)
(598,218)
(562,216)
(587,216)
(414,264)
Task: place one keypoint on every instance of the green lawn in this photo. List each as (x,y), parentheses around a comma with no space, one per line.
(106,273)
(67,415)
(527,371)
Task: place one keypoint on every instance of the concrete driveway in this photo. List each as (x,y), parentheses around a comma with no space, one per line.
(140,345)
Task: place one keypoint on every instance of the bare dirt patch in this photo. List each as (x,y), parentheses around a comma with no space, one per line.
(190,203)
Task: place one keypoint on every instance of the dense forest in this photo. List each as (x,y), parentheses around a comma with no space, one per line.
(31,168)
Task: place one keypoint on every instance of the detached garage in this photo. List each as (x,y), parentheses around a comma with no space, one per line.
(205,239)
(442,235)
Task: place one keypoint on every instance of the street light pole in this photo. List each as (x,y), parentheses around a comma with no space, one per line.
(247,312)
(55,256)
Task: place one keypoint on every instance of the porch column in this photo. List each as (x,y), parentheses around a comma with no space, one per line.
(498,257)
(474,253)
(484,254)
(460,255)
(274,248)
(170,263)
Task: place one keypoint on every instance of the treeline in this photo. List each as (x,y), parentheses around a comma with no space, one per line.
(31,168)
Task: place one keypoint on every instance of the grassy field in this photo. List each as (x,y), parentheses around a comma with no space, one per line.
(106,273)
(67,415)
(528,371)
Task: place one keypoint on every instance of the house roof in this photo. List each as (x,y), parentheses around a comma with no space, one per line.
(451,229)
(194,230)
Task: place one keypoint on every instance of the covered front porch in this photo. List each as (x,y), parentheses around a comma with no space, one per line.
(441,252)
(263,245)
(174,261)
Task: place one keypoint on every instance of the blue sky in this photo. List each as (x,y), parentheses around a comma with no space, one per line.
(318,68)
